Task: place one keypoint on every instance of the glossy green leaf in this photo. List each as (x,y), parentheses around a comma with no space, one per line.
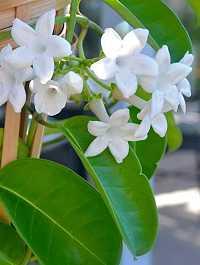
(165,27)
(174,133)
(12,248)
(150,151)
(60,217)
(125,190)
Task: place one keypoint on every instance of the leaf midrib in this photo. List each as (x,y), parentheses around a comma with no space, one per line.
(53,221)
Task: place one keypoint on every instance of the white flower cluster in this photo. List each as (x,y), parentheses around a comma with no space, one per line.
(125,65)
(34,60)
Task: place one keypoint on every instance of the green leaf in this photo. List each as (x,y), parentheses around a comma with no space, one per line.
(12,248)
(60,217)
(174,133)
(165,27)
(150,151)
(125,190)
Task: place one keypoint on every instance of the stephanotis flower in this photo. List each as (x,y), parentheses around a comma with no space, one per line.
(115,133)
(51,98)
(165,87)
(158,122)
(184,87)
(38,47)
(12,81)
(124,60)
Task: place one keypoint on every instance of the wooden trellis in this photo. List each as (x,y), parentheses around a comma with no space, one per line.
(27,10)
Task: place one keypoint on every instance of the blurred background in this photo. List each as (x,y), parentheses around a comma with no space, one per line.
(178,179)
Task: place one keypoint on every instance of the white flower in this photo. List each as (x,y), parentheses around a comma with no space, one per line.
(38,47)
(115,133)
(51,98)
(71,84)
(158,122)
(12,81)
(184,87)
(124,61)
(48,98)
(164,86)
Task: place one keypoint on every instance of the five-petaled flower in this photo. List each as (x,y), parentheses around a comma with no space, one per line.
(38,47)
(51,98)
(166,86)
(124,61)
(12,80)
(115,133)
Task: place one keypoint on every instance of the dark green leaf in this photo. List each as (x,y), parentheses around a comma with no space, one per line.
(125,190)
(12,248)
(165,27)
(60,217)
(150,151)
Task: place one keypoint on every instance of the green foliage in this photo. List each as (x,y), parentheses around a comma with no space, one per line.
(165,27)
(150,151)
(12,248)
(60,217)
(174,133)
(125,190)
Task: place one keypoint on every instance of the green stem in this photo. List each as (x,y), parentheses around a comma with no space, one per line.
(82,21)
(98,81)
(27,257)
(72,19)
(80,42)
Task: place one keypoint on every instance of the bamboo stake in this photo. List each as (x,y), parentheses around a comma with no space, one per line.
(11,135)
(37,141)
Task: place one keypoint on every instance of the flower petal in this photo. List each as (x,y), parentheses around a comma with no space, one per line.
(143,129)
(22,33)
(71,84)
(172,97)
(97,146)
(185,88)
(17,97)
(143,65)
(98,108)
(182,103)
(134,41)
(43,66)
(120,117)
(163,58)
(142,35)
(5,52)
(187,59)
(148,83)
(111,43)
(177,72)
(58,47)
(4,89)
(20,57)
(157,102)
(104,69)
(49,104)
(97,128)
(126,82)
(128,132)
(159,124)
(119,149)
(45,24)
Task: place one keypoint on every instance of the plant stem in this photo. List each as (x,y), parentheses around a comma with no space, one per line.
(98,81)
(27,257)
(80,42)
(82,21)
(72,20)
